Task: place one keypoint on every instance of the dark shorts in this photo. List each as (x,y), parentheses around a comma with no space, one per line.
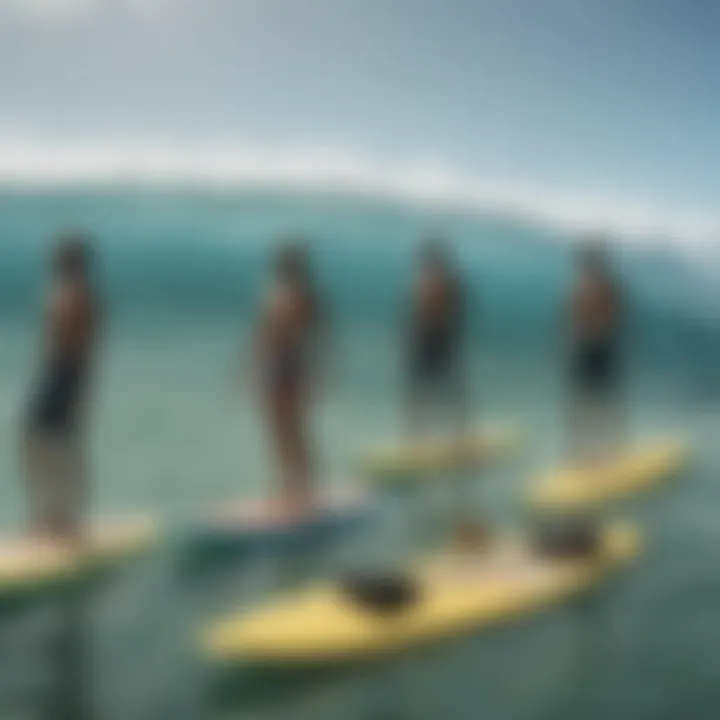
(286,372)
(56,480)
(53,453)
(435,361)
(596,368)
(54,405)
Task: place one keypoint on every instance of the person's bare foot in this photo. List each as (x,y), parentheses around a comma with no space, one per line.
(48,538)
(471,536)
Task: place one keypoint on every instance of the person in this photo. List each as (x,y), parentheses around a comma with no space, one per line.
(596,310)
(435,343)
(54,459)
(287,344)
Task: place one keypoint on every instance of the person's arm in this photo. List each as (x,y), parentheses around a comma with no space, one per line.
(259,341)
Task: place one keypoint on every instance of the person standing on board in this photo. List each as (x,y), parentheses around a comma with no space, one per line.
(596,318)
(54,454)
(287,345)
(436,341)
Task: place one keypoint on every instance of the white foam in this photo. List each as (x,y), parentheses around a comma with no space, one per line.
(225,164)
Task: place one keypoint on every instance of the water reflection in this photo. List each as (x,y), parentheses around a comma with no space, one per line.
(71,697)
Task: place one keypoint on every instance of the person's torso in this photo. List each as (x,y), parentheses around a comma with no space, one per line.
(436,309)
(290,322)
(61,383)
(596,312)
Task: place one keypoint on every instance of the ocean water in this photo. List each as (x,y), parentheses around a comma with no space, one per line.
(175,429)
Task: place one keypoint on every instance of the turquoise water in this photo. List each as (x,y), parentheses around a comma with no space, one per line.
(175,430)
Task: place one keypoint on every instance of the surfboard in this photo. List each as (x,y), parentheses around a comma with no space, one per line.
(432,455)
(322,625)
(31,566)
(612,480)
(267,523)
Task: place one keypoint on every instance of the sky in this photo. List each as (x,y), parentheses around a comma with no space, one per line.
(586,110)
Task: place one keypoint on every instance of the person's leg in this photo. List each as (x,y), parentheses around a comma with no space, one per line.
(582,425)
(421,391)
(71,501)
(459,401)
(610,429)
(614,421)
(287,426)
(600,389)
(37,467)
(276,411)
(596,450)
(617,423)
(415,405)
(301,478)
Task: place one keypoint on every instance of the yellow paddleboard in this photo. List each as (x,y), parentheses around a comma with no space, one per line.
(435,454)
(457,595)
(611,480)
(28,566)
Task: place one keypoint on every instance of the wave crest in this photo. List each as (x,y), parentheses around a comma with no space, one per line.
(334,169)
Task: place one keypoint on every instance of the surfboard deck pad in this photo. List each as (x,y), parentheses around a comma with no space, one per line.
(323,625)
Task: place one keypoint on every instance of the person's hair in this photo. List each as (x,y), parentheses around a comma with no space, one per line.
(434,253)
(593,254)
(291,261)
(72,255)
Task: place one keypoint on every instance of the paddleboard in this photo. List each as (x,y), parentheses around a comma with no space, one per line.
(435,454)
(30,566)
(322,625)
(268,523)
(640,469)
